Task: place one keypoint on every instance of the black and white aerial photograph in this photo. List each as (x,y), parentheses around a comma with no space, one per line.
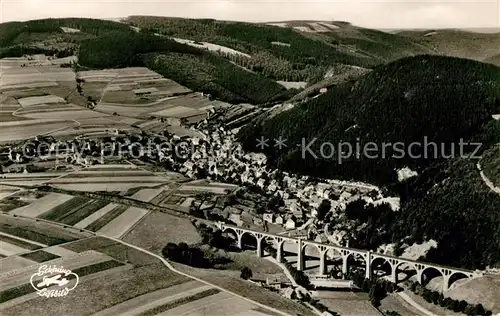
(249,158)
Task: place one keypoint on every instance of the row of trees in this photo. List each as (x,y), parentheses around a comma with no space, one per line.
(192,256)
(448,303)
(299,276)
(22,50)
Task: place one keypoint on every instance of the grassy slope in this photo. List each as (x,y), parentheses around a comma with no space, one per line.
(478,46)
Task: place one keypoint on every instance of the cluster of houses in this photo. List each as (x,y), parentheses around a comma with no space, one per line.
(220,157)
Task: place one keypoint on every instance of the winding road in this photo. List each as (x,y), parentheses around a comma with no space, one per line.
(487,181)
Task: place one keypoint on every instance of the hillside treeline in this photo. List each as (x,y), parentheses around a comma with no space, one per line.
(448,203)
(444,100)
(197,69)
(218,77)
(12,30)
(451,204)
(279,53)
(119,49)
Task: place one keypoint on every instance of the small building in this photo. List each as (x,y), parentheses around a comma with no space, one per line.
(261,183)
(236,218)
(268,217)
(278,220)
(323,90)
(322,239)
(257,221)
(291,223)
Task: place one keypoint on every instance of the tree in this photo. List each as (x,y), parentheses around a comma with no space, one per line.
(435,297)
(203,197)
(478,310)
(246,273)
(171,251)
(323,209)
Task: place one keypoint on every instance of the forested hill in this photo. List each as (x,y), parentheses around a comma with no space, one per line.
(246,62)
(441,99)
(284,53)
(459,43)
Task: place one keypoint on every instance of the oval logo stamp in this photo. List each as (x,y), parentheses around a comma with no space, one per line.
(53,281)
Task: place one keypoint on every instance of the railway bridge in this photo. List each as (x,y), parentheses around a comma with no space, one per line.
(371,260)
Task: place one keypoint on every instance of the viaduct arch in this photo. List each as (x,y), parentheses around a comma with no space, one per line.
(449,274)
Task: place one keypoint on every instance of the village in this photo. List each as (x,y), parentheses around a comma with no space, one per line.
(267,199)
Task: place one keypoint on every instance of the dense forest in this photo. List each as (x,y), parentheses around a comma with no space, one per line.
(10,31)
(436,206)
(218,77)
(197,69)
(119,50)
(283,53)
(46,36)
(417,100)
(450,204)
(490,163)
(106,44)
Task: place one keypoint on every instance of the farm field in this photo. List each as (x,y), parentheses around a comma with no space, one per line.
(38,231)
(25,129)
(42,205)
(183,106)
(110,178)
(38,98)
(29,179)
(123,223)
(349,303)
(155,288)
(215,188)
(158,229)
(231,279)
(95,216)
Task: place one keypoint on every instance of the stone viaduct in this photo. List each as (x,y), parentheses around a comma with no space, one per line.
(371,260)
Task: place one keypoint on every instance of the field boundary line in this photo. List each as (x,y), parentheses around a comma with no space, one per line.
(199,308)
(136,223)
(25,240)
(24,269)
